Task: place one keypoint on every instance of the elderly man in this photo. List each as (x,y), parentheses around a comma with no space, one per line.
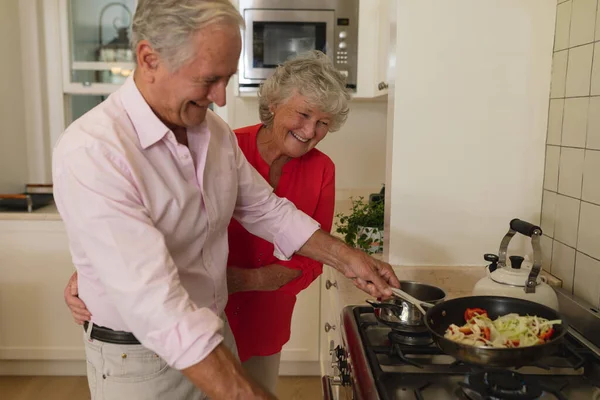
(147,183)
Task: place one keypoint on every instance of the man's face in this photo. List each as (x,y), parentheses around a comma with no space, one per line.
(181,98)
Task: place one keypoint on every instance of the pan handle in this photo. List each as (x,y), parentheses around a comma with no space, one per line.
(525,228)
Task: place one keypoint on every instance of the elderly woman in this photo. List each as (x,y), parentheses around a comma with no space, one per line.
(299,104)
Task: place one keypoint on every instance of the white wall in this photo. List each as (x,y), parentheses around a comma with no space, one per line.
(470,103)
(358,149)
(13,140)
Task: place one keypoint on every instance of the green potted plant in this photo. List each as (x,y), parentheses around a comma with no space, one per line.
(363,227)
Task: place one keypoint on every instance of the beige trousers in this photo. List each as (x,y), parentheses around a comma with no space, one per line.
(132,372)
(264,370)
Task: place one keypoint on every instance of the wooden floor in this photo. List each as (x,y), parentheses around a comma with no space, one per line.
(76,388)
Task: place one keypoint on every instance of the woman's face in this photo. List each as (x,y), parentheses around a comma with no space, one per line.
(298,126)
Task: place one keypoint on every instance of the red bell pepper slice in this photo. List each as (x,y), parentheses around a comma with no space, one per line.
(547,334)
(471,312)
(486,333)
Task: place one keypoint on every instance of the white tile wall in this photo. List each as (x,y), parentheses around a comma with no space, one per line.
(570,176)
(587,278)
(559,74)
(552,163)
(593,125)
(548,213)
(591,180)
(555,121)
(589,230)
(575,122)
(583,19)
(597,23)
(546,244)
(563,24)
(579,71)
(595,86)
(566,220)
(570,214)
(563,264)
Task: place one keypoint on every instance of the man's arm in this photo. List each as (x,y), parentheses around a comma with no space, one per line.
(368,274)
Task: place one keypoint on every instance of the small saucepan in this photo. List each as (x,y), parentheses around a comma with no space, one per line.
(402,315)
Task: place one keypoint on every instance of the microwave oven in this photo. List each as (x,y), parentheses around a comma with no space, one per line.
(277,30)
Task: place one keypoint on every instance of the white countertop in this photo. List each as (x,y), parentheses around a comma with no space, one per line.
(47,213)
(50,213)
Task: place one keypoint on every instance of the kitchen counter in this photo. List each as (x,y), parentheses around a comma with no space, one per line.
(455,281)
(50,213)
(47,213)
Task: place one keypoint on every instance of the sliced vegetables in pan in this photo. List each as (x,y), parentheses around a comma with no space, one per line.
(507,331)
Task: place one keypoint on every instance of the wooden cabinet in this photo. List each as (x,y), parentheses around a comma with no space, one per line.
(300,356)
(35,264)
(373,49)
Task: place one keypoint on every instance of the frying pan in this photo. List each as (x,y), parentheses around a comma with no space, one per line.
(442,315)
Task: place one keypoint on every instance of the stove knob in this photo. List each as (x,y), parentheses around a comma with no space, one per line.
(336,380)
(346,380)
(340,353)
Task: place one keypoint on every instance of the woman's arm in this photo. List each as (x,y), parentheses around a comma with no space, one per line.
(267,278)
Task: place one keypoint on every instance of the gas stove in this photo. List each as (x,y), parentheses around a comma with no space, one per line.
(377,363)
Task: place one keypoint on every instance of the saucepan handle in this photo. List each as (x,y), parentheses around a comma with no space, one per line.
(394,307)
(525,228)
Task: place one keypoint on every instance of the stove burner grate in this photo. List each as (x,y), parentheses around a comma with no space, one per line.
(410,339)
(501,384)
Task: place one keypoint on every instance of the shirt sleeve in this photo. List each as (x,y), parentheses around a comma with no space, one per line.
(97,197)
(323,214)
(266,215)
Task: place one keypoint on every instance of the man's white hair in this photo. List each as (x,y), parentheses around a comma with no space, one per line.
(168,25)
(312,75)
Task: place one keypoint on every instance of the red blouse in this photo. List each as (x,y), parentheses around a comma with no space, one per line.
(260,320)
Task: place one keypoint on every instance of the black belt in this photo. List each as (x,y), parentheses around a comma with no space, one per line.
(107,335)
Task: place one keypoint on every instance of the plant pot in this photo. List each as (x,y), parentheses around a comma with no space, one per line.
(373,235)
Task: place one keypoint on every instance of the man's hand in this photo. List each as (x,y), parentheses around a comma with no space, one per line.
(267,278)
(221,376)
(362,268)
(78,309)
(368,274)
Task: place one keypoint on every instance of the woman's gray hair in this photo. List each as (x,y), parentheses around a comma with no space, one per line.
(311,75)
(169,24)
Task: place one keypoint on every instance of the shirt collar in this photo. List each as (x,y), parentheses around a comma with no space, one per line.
(149,128)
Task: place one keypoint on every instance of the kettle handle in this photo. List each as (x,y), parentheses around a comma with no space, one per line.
(524,228)
(534,232)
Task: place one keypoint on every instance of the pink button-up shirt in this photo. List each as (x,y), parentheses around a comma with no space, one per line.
(147,222)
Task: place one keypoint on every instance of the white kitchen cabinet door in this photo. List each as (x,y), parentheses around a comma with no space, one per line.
(35,265)
(304,341)
(328,329)
(373,48)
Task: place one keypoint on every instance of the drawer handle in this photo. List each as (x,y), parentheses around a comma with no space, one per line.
(382,85)
(329,284)
(329,327)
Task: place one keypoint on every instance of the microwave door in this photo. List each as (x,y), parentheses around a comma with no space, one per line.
(274,36)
